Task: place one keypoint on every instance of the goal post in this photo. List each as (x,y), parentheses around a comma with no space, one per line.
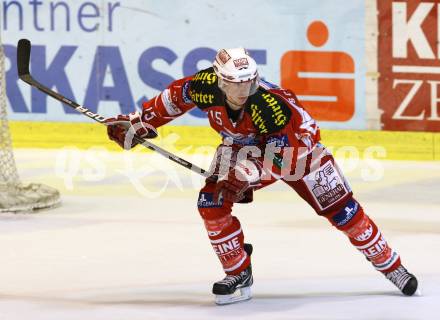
(16,196)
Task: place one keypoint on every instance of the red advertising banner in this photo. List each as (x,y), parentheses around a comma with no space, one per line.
(409,64)
(323,80)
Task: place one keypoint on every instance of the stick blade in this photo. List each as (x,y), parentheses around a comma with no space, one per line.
(23,57)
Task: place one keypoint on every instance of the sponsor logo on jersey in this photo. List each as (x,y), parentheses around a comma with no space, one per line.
(224,56)
(185,93)
(269,114)
(257,119)
(204,91)
(347,213)
(279,141)
(202,98)
(280,119)
(205,77)
(278,161)
(171,108)
(206,200)
(241,63)
(326,185)
(240,139)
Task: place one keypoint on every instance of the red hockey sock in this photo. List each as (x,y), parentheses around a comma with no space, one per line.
(368,239)
(365,236)
(224,231)
(227,242)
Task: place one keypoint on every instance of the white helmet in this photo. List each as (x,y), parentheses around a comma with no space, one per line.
(237,72)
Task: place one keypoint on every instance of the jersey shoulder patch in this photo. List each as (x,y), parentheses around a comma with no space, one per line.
(269,112)
(204,90)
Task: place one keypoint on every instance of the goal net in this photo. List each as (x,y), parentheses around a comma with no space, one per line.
(14,195)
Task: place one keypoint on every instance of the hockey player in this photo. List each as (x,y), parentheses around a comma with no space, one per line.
(270,123)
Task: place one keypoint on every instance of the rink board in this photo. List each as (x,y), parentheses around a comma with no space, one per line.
(197,139)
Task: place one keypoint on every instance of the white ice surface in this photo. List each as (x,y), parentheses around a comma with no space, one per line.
(111,253)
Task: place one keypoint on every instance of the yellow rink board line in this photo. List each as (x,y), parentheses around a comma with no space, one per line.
(54,135)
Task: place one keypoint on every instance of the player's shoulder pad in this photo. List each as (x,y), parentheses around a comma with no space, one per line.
(204,90)
(268,111)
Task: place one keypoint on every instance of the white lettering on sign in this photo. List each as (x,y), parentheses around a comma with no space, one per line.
(406,101)
(406,30)
(416,85)
(434,100)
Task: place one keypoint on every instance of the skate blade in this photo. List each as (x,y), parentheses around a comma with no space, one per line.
(243,295)
(418,293)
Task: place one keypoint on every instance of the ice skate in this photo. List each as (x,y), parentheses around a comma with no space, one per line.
(235,288)
(405,281)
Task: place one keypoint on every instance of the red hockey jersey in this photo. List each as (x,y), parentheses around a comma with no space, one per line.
(271,116)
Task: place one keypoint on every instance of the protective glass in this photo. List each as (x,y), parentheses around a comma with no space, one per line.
(239,89)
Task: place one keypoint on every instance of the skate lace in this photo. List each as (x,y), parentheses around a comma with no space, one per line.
(399,277)
(231,280)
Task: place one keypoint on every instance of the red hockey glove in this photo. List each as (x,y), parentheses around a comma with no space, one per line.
(242,177)
(122,128)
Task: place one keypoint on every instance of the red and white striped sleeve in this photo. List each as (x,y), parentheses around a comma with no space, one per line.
(171,103)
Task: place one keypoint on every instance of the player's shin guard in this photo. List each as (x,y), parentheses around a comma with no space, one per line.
(368,239)
(224,231)
(365,236)
(228,244)
(227,240)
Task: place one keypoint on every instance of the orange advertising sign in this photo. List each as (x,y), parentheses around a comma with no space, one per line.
(409,64)
(323,80)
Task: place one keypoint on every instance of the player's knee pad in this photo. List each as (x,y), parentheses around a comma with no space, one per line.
(209,209)
(216,216)
(348,215)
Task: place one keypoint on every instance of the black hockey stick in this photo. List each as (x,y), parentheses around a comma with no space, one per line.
(23,60)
